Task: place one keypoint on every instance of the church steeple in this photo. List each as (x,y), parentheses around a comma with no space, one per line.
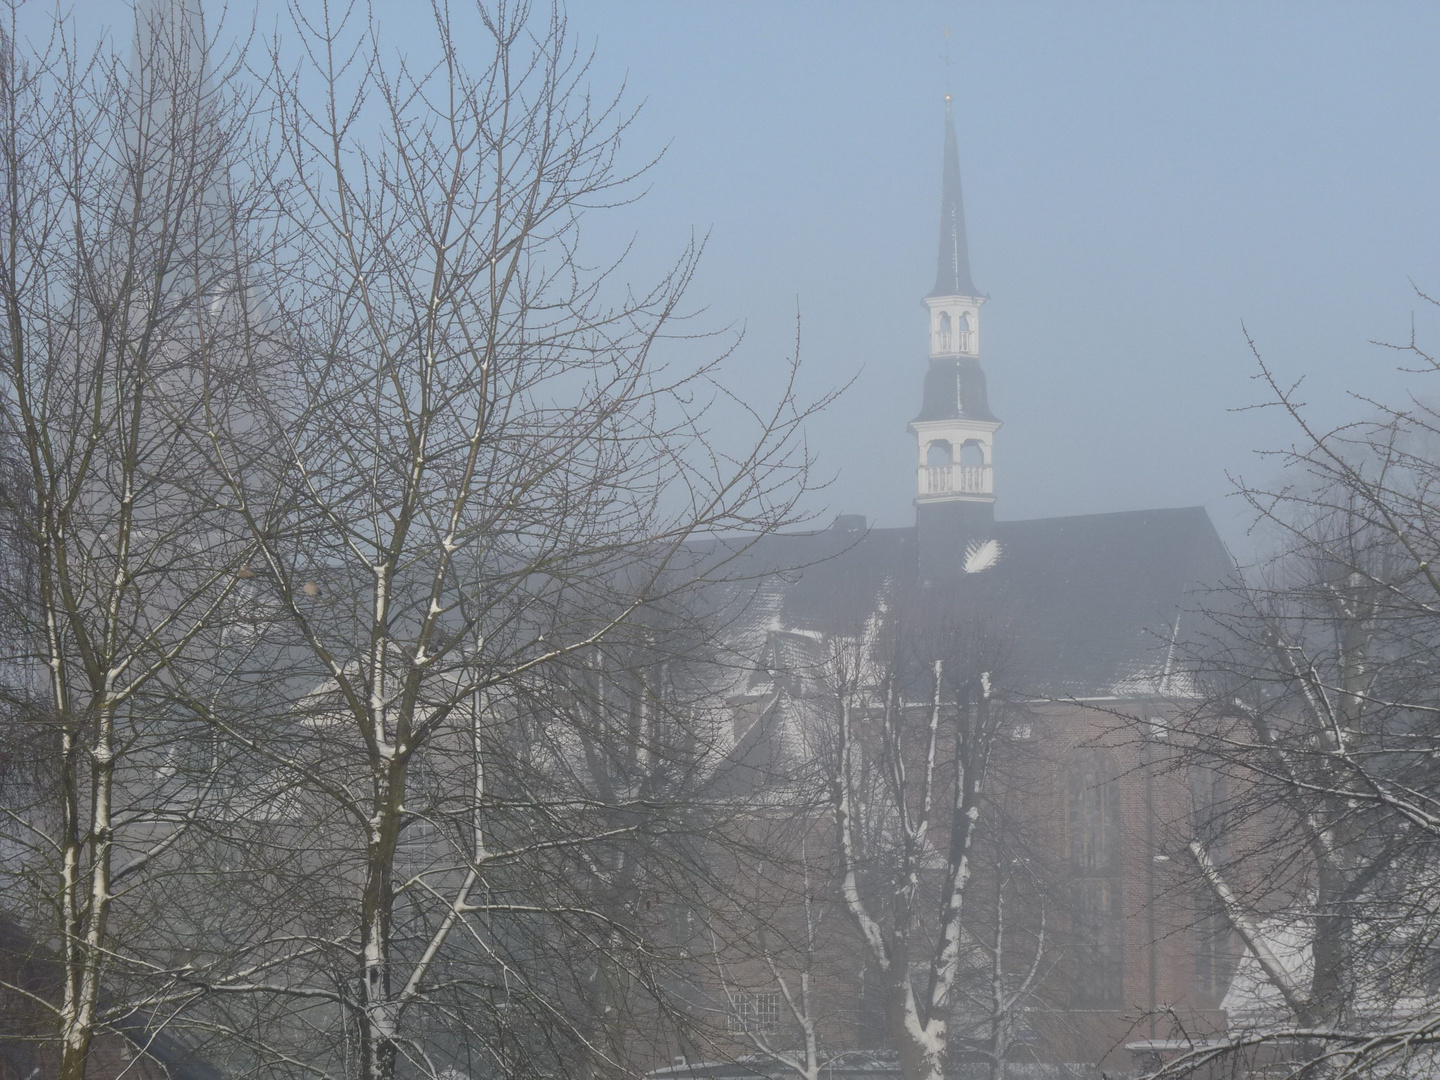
(954,302)
(955,431)
(952,273)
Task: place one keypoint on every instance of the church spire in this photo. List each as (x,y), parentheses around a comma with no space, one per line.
(955,431)
(952,275)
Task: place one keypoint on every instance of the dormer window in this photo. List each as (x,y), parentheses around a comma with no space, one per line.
(942,336)
(966,343)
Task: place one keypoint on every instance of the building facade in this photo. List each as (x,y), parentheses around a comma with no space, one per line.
(1076,626)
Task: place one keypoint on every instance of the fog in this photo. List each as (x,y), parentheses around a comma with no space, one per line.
(459,612)
(1140,182)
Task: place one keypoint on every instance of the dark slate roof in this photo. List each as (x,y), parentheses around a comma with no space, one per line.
(1079,606)
(952,275)
(955,389)
(1099,599)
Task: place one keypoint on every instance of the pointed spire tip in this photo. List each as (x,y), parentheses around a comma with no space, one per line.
(952,276)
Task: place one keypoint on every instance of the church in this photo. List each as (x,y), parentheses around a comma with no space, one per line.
(1076,626)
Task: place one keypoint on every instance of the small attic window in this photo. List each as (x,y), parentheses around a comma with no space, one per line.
(938,454)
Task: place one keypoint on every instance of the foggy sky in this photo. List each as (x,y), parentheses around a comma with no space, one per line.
(1139,180)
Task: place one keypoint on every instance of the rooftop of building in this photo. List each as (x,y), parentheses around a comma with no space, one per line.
(1089,606)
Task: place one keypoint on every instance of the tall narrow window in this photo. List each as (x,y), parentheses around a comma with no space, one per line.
(942,336)
(967,340)
(1093,838)
(1214,955)
(1214,950)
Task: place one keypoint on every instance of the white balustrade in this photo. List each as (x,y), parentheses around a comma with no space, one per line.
(950,342)
(956,480)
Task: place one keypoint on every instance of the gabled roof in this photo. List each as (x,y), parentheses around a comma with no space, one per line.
(1086,606)
(1101,601)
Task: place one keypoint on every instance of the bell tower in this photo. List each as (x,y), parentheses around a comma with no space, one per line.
(955,430)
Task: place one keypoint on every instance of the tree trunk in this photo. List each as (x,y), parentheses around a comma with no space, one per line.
(1330,990)
(86,917)
(379,1013)
(920,1043)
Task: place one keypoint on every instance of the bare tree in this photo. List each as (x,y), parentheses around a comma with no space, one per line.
(998,995)
(482,480)
(916,729)
(780,974)
(365,638)
(1316,834)
(119,222)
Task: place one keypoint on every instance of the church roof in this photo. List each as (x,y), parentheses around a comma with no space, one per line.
(952,275)
(955,390)
(1092,606)
(1086,606)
